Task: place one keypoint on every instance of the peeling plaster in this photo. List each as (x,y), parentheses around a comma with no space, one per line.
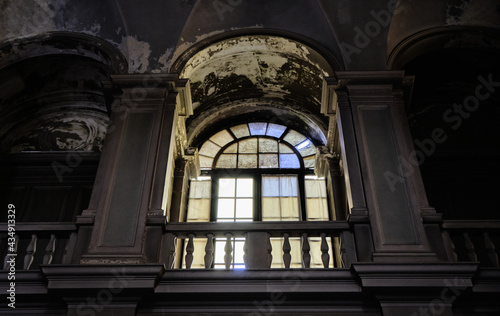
(164,61)
(137,53)
(75,131)
(273,65)
(473,12)
(24,18)
(185,46)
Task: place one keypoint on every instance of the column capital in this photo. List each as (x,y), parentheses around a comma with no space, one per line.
(345,87)
(325,160)
(396,78)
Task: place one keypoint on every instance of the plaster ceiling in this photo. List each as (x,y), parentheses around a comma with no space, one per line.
(261,76)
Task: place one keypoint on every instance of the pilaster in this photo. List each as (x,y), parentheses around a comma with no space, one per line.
(374,141)
(133,178)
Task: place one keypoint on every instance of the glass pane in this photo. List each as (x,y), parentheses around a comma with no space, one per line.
(244,208)
(257,128)
(209,149)
(288,186)
(294,137)
(226,187)
(308,150)
(268,145)
(226,161)
(270,185)
(222,138)
(304,144)
(289,208)
(271,209)
(233,149)
(268,161)
(317,209)
(247,161)
(198,210)
(244,188)
(284,149)
(200,189)
(248,146)
(205,162)
(275,130)
(240,130)
(309,162)
(315,188)
(280,198)
(289,161)
(225,208)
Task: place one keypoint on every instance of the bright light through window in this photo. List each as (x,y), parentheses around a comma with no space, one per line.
(304,144)
(235,202)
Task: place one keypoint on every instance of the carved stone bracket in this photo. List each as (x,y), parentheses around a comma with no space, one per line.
(326,162)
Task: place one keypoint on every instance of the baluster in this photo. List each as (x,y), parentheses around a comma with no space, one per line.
(490,249)
(30,252)
(209,251)
(228,249)
(171,250)
(306,257)
(286,250)
(469,247)
(347,249)
(269,251)
(10,250)
(168,250)
(449,247)
(325,257)
(189,251)
(69,248)
(343,255)
(49,250)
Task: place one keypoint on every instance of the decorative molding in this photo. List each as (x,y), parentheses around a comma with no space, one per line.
(401,275)
(75,278)
(111,259)
(329,97)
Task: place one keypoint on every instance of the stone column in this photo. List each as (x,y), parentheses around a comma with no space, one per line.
(374,142)
(186,167)
(135,168)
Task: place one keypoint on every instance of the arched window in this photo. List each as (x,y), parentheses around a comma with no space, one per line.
(257,172)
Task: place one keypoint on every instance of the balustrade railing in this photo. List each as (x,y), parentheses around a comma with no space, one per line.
(54,243)
(472,240)
(333,237)
(37,243)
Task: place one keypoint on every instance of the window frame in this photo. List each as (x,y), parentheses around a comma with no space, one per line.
(279,140)
(256,175)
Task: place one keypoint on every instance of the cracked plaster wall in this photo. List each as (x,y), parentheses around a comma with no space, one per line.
(273,65)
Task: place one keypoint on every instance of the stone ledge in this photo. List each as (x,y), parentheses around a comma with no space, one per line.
(412,275)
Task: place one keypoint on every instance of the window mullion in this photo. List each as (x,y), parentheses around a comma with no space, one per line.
(258,197)
(302,199)
(215,197)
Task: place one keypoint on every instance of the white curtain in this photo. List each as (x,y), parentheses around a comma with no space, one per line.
(280,198)
(199,201)
(316,203)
